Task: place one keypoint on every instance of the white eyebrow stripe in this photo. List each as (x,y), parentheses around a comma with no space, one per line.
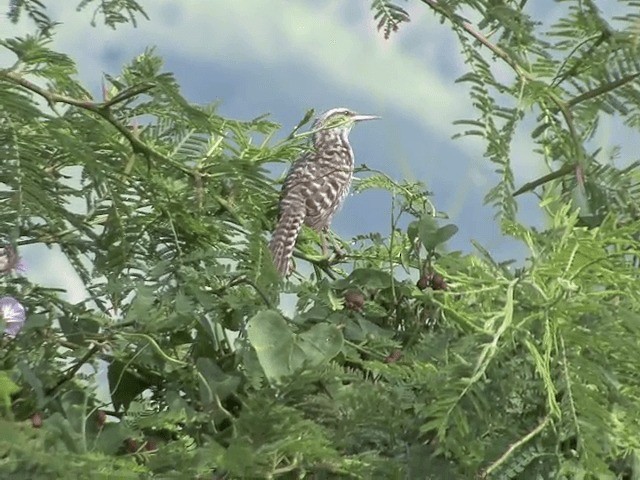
(333,111)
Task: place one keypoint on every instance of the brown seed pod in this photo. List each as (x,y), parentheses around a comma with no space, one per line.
(393,356)
(425,281)
(151,446)
(438,282)
(101,418)
(131,445)
(354,300)
(36,420)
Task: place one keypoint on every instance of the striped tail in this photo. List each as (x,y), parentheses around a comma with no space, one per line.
(284,239)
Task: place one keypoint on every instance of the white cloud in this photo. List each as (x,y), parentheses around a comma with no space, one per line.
(310,35)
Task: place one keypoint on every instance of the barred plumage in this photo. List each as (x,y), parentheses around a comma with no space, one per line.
(316,184)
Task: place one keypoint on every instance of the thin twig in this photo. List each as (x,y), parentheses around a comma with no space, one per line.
(529,186)
(71,372)
(322,263)
(514,446)
(302,122)
(584,60)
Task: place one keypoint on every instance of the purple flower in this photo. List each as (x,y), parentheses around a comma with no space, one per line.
(13,314)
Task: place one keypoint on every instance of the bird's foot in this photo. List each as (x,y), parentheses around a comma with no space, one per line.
(339,253)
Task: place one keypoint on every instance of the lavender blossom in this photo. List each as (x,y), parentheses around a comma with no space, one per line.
(13,314)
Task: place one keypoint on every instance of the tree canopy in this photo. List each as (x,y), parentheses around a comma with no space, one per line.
(403,359)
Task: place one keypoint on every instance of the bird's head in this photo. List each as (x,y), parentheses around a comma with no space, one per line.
(340,120)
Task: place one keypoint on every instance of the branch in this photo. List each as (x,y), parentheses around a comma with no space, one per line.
(49,96)
(564,107)
(585,60)
(471,30)
(323,263)
(565,110)
(101,109)
(602,89)
(529,186)
(128,93)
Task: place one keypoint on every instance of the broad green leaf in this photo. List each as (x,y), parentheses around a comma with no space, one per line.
(110,438)
(123,384)
(359,329)
(31,378)
(321,343)
(281,352)
(427,227)
(62,431)
(443,234)
(217,381)
(412,231)
(431,235)
(273,341)
(141,306)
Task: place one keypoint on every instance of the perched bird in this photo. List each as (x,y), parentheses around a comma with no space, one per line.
(316,185)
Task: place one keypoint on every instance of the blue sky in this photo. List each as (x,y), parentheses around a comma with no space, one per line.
(283,57)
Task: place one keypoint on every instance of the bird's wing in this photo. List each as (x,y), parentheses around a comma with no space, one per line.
(303,170)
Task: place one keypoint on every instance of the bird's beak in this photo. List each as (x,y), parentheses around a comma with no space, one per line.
(359,118)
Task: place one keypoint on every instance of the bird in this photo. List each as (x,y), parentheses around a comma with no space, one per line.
(316,185)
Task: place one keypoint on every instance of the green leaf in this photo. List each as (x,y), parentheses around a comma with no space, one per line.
(61,429)
(443,234)
(321,343)
(360,329)
(217,381)
(7,388)
(412,231)
(37,321)
(141,306)
(430,235)
(30,377)
(272,340)
(282,353)
(110,438)
(427,227)
(123,384)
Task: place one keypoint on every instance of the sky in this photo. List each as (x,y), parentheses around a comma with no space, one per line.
(283,57)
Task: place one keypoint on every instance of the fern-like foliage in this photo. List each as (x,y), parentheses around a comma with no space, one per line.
(389,16)
(400,360)
(113,12)
(568,79)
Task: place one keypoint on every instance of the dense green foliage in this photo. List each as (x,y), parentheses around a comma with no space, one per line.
(405,361)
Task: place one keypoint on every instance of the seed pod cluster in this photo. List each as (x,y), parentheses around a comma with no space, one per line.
(432,280)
